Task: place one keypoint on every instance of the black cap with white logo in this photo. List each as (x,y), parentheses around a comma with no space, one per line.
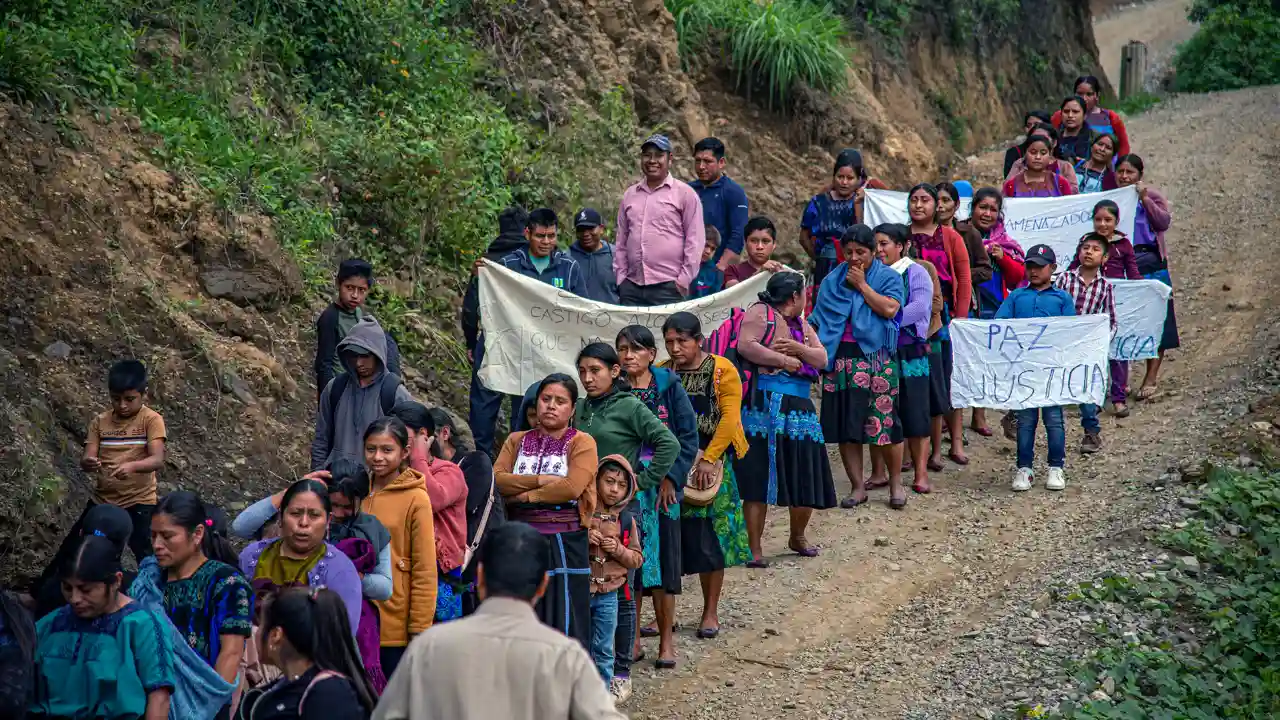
(587,218)
(1041,255)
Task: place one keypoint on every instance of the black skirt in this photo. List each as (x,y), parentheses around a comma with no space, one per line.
(915,405)
(939,377)
(566,606)
(786,464)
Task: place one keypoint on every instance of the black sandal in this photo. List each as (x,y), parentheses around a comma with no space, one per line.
(898,503)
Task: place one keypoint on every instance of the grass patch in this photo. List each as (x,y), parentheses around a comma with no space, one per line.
(1231,602)
(770,46)
(356,125)
(1138,103)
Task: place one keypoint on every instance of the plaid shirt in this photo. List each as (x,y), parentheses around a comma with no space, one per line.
(1091,298)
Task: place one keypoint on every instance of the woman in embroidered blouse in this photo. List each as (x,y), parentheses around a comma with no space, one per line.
(102,654)
(786,462)
(944,248)
(1037,177)
(1095,171)
(714,536)
(831,211)
(205,595)
(547,477)
(300,557)
(1152,256)
(659,516)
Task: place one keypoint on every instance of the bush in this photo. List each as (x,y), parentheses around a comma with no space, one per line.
(1235,47)
(1232,605)
(772,45)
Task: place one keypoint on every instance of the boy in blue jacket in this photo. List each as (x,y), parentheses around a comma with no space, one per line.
(1039,299)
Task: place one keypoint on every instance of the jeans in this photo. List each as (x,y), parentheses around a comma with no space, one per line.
(624,640)
(604,624)
(1089,418)
(1119,380)
(661,293)
(486,404)
(1027,421)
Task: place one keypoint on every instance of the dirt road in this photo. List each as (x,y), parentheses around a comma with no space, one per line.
(898,617)
(1161,24)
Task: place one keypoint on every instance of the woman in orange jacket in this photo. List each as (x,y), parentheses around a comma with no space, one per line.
(398,498)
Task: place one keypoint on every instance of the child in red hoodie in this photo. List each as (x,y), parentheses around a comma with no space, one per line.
(613,548)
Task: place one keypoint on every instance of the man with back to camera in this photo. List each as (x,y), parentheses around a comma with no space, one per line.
(724,202)
(660,233)
(501,662)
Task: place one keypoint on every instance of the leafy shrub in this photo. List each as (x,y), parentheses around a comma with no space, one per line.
(1235,47)
(772,45)
(1233,604)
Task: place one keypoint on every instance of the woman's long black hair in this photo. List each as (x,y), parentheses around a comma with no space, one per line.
(189,512)
(605,353)
(781,287)
(315,623)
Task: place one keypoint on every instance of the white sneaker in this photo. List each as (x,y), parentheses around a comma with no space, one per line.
(1056,481)
(1022,480)
(620,688)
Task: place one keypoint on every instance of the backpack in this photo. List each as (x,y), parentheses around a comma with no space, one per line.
(391,383)
(724,341)
(485,507)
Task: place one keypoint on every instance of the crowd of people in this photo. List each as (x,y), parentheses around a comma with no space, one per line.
(408,576)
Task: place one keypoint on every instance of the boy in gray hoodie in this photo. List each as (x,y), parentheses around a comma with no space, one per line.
(352,400)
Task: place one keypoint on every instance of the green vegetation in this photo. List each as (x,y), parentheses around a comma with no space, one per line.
(771,45)
(1138,103)
(356,125)
(1227,597)
(1235,47)
(966,19)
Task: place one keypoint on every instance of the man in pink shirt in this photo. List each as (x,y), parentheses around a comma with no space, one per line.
(660,233)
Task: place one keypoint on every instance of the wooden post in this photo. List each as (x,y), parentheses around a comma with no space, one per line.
(1133,68)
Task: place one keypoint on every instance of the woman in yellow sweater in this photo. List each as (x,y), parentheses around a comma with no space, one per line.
(712,536)
(398,498)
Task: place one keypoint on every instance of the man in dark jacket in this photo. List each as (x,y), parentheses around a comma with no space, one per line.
(484,403)
(594,256)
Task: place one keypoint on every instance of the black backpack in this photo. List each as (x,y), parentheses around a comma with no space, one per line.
(485,507)
(391,383)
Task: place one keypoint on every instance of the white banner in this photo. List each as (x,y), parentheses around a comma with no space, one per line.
(1057,222)
(1027,363)
(532,329)
(1141,306)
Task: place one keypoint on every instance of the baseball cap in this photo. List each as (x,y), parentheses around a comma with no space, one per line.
(662,142)
(1041,255)
(587,218)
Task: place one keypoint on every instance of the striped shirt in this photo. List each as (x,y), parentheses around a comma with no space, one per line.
(1090,297)
(120,441)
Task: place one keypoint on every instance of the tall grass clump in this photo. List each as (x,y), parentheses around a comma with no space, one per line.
(770,46)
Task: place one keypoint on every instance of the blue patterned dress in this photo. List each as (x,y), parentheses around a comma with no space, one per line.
(215,601)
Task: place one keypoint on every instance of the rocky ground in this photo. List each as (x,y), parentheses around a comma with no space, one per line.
(956,607)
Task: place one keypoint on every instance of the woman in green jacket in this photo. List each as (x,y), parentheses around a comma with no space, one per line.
(622,424)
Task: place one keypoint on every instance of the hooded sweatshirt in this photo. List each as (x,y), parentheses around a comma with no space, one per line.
(358,406)
(510,238)
(597,272)
(609,571)
(621,425)
(404,507)
(448,490)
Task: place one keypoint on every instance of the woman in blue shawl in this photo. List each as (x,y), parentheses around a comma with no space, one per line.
(854,315)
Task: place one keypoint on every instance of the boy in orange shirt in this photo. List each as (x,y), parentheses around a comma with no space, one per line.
(125,448)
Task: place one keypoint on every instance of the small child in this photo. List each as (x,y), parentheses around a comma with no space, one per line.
(760,239)
(1092,293)
(613,548)
(124,449)
(1039,299)
(355,279)
(709,279)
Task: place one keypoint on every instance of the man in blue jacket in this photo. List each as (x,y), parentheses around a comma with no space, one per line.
(724,202)
(594,256)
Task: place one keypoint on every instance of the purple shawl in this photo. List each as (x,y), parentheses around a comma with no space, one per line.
(998,236)
(333,571)
(368,638)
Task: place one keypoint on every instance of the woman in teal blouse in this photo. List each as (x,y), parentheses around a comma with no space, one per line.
(102,655)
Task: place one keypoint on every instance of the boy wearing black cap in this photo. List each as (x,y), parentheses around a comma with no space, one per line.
(594,256)
(1039,299)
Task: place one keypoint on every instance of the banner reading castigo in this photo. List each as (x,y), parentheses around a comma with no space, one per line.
(532,329)
(1058,222)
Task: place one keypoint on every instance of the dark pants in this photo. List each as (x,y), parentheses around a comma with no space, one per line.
(635,295)
(486,404)
(139,539)
(390,657)
(624,640)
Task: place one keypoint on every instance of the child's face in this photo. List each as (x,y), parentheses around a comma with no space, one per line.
(1092,255)
(128,403)
(352,292)
(708,251)
(1104,223)
(760,247)
(611,485)
(1040,275)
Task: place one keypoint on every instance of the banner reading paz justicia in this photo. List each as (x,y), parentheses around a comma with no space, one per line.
(1058,222)
(532,329)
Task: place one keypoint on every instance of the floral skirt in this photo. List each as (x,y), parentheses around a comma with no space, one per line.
(714,537)
(787,462)
(449,590)
(859,398)
(914,404)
